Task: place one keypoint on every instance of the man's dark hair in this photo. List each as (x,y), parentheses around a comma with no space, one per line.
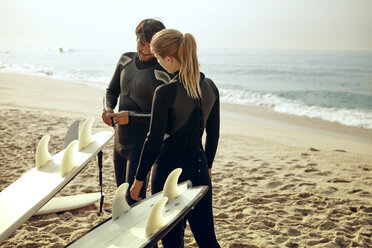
(147,28)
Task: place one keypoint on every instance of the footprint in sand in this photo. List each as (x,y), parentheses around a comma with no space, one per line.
(258,226)
(274,184)
(307,184)
(230,164)
(258,178)
(268,172)
(304,195)
(364,168)
(324,173)
(365,194)
(221,216)
(304,211)
(328,225)
(293,232)
(241,158)
(290,175)
(339,150)
(338,180)
(311,170)
(287,187)
(354,191)
(320,204)
(280,239)
(330,190)
(299,166)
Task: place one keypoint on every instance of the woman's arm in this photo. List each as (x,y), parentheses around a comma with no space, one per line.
(213,130)
(154,140)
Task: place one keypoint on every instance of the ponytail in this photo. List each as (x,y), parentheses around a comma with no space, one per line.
(189,71)
(171,42)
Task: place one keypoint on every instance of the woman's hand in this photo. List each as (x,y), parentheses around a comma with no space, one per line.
(105,118)
(135,190)
(120,118)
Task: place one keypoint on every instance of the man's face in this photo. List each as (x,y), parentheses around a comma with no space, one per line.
(144,51)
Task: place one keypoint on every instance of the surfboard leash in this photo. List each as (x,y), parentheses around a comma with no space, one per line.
(100,154)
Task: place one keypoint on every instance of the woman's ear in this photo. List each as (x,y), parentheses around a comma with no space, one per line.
(169,59)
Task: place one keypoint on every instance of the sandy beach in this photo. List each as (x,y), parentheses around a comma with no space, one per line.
(278,180)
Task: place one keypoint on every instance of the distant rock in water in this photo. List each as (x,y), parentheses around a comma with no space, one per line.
(64,50)
(60,49)
(45,72)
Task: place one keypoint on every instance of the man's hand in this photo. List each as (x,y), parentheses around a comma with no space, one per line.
(105,118)
(120,118)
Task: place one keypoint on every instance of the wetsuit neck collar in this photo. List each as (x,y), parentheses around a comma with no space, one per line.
(177,75)
(145,64)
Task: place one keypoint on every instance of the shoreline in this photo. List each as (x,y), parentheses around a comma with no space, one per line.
(294,130)
(81,100)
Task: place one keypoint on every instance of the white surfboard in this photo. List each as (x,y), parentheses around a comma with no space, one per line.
(66,203)
(20,200)
(146,222)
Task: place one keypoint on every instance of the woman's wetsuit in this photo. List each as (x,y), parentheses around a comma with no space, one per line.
(175,141)
(135,82)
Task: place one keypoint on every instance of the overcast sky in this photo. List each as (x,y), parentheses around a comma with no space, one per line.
(278,24)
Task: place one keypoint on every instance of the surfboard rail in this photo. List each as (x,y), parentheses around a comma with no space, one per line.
(66,203)
(129,229)
(25,196)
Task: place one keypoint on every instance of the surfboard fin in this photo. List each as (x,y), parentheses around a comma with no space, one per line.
(68,160)
(155,220)
(170,189)
(85,134)
(72,133)
(119,204)
(42,152)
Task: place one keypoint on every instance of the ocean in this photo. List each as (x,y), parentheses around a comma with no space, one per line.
(334,86)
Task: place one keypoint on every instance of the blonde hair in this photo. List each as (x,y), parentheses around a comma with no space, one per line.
(171,42)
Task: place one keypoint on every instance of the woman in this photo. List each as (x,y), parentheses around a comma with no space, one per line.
(181,110)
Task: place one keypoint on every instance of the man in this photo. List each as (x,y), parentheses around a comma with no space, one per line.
(134,81)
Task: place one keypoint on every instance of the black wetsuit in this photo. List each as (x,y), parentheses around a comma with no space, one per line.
(135,82)
(175,141)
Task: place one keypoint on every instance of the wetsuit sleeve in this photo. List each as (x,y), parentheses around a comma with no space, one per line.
(142,118)
(153,142)
(113,90)
(213,130)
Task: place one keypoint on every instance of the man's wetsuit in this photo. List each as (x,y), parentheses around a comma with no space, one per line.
(135,82)
(184,119)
